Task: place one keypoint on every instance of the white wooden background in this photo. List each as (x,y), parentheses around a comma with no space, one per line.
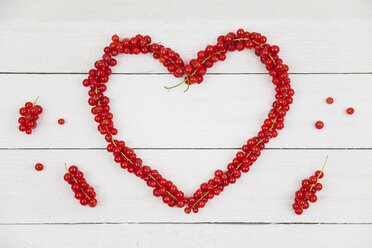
(46,49)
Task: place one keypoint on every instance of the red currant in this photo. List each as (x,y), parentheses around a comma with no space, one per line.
(61,121)
(329,100)
(319,124)
(39,167)
(350,111)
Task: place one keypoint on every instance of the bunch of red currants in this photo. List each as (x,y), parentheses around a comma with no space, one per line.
(29,115)
(83,191)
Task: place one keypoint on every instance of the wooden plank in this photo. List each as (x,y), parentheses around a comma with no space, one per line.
(223,112)
(265,194)
(68,36)
(187,235)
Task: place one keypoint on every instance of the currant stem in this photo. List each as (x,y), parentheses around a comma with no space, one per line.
(35,101)
(325,162)
(188,85)
(174,86)
(210,56)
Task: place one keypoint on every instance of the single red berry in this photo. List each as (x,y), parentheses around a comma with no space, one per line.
(79,175)
(28,105)
(39,167)
(23,111)
(313,179)
(298,211)
(39,109)
(75,187)
(83,201)
(61,121)
(329,100)
(313,198)
(319,174)
(115,38)
(319,124)
(305,183)
(92,202)
(187,210)
(73,169)
(295,206)
(350,111)
(67,177)
(79,195)
(318,186)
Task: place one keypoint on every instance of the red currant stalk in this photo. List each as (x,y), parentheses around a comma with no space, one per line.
(79,185)
(307,193)
(29,115)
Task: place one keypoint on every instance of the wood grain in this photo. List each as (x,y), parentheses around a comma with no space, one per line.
(219,236)
(46,49)
(265,194)
(221,113)
(67,36)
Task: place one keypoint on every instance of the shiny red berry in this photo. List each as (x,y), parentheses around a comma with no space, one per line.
(61,121)
(350,111)
(319,124)
(73,169)
(329,100)
(39,167)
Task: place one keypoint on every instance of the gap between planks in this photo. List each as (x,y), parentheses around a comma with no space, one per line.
(164,73)
(185,223)
(180,148)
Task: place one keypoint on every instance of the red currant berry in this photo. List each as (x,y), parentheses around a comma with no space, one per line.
(39,167)
(61,121)
(83,201)
(299,211)
(73,169)
(92,202)
(318,186)
(319,174)
(187,210)
(313,179)
(313,198)
(329,100)
(350,111)
(319,124)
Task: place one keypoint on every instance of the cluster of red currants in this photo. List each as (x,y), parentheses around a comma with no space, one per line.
(193,73)
(83,191)
(307,192)
(29,115)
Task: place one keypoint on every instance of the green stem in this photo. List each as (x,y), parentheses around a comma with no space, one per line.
(174,86)
(35,101)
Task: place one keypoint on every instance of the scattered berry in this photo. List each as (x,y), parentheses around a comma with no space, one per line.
(319,124)
(29,115)
(83,191)
(61,121)
(329,100)
(350,111)
(39,167)
(307,192)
